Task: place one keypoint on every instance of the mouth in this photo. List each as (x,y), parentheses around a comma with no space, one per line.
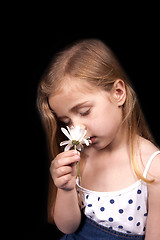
(92,139)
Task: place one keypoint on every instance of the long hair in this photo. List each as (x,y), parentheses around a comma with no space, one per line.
(93,61)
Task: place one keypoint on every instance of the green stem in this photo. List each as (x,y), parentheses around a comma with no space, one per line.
(78,168)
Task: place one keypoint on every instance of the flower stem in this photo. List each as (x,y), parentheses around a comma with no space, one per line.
(78,168)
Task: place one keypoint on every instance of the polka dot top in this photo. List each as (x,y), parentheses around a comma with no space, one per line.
(124,211)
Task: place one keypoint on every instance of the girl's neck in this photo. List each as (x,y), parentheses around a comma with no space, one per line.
(107,163)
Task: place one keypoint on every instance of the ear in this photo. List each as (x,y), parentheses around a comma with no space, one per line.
(118,92)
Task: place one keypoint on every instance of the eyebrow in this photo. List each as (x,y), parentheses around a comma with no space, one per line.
(74,109)
(78,106)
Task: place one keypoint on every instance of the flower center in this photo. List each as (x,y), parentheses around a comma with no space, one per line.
(75,143)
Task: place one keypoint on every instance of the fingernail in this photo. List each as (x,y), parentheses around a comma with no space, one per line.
(76,152)
(77,157)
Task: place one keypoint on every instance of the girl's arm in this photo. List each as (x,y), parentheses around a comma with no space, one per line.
(66,214)
(153,219)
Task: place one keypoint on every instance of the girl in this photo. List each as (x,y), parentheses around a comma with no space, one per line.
(119,193)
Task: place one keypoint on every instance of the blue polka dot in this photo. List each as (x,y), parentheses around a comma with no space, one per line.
(110,219)
(120,210)
(89,205)
(87,196)
(102,209)
(112,201)
(120,227)
(139,191)
(130,201)
(145,214)
(93,212)
(138,224)
(110,227)
(144,229)
(129,232)
(98,198)
(130,218)
(138,208)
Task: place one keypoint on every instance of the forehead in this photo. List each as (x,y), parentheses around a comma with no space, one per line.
(72,92)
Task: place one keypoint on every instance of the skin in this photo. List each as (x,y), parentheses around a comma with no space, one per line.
(100,112)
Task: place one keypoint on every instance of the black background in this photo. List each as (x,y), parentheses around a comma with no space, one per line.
(32,34)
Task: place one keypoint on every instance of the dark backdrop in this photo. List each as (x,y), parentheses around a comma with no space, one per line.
(32,35)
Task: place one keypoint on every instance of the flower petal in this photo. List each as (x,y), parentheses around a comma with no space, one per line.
(86,141)
(69,129)
(66,133)
(65,142)
(68,147)
(83,133)
(75,134)
(79,147)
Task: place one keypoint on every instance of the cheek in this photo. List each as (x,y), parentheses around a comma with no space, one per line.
(115,120)
(110,120)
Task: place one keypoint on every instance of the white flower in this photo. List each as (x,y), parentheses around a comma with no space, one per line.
(76,138)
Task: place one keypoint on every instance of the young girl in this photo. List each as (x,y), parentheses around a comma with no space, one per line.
(118,196)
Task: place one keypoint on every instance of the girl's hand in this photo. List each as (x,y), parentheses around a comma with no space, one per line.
(63,169)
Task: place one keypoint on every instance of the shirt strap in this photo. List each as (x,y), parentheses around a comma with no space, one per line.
(149,163)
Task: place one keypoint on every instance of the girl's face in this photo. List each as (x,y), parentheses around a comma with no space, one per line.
(97,110)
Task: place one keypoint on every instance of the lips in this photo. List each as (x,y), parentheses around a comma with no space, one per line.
(93,139)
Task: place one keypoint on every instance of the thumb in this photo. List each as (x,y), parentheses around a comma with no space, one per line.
(74,169)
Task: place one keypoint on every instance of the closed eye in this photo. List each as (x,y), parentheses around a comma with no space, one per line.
(69,123)
(85,113)
(65,121)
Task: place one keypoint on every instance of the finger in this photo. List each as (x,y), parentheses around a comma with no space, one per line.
(63,171)
(63,180)
(69,153)
(66,161)
(74,169)
(66,154)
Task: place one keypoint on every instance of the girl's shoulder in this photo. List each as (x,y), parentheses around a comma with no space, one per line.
(147,149)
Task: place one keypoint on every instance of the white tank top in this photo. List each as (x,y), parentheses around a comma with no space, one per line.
(124,211)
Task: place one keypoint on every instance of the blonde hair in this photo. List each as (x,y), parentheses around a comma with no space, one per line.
(93,61)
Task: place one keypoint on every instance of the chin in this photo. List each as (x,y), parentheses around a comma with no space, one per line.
(100,146)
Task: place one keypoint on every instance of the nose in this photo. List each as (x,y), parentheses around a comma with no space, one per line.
(81,126)
(77,122)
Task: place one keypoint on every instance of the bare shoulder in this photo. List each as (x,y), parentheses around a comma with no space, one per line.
(147,148)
